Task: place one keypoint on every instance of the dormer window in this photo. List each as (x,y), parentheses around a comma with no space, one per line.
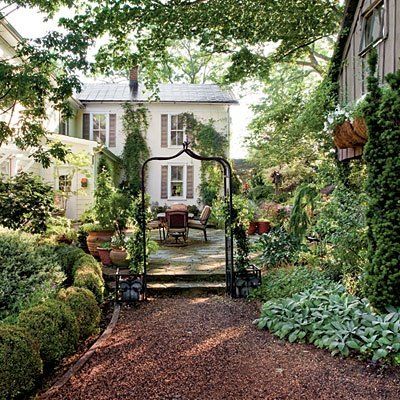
(373,27)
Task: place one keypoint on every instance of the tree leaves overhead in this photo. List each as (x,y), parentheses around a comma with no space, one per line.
(142,31)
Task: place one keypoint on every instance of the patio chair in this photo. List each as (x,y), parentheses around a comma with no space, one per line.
(177,224)
(201,223)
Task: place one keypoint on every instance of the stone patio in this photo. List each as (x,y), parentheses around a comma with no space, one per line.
(197,257)
(196,266)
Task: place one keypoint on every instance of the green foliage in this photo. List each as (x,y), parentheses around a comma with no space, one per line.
(26,203)
(83,304)
(208,142)
(60,230)
(285,282)
(103,194)
(27,270)
(135,151)
(67,257)
(382,156)
(328,317)
(302,211)
(228,27)
(55,328)
(340,226)
(134,244)
(20,363)
(87,274)
(278,247)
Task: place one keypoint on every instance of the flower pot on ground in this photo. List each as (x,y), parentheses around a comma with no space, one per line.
(96,237)
(253,227)
(263,227)
(104,254)
(119,257)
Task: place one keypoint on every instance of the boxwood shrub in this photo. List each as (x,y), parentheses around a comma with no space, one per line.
(27,269)
(67,256)
(54,326)
(87,274)
(21,365)
(327,316)
(83,304)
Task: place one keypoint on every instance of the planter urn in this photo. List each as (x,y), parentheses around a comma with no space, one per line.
(263,227)
(104,255)
(253,227)
(246,281)
(95,239)
(119,258)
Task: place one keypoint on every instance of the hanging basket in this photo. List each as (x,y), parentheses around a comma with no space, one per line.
(345,136)
(360,127)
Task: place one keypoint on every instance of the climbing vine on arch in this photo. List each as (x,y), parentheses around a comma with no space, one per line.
(208,142)
(135,151)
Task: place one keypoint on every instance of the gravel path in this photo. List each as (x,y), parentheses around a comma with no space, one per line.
(207,348)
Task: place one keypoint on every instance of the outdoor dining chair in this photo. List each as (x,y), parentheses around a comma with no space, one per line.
(177,224)
(201,223)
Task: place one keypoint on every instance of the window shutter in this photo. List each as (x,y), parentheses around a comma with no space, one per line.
(189,182)
(164,130)
(112,131)
(164,181)
(86,126)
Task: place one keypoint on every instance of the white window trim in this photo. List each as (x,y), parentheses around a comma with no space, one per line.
(170,145)
(170,197)
(107,114)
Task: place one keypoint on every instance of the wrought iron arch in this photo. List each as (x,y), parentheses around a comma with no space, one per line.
(227,169)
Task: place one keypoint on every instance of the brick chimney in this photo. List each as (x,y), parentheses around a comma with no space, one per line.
(133,78)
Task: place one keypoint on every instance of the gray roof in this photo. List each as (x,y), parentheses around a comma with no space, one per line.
(167,93)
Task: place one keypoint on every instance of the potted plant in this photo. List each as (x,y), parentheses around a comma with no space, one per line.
(118,253)
(104,253)
(97,235)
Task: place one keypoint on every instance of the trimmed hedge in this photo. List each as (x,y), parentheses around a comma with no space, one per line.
(67,256)
(87,274)
(54,326)
(21,365)
(83,304)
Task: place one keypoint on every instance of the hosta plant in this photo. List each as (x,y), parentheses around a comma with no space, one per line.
(330,318)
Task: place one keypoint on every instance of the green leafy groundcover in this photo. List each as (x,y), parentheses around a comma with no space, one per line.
(285,282)
(330,318)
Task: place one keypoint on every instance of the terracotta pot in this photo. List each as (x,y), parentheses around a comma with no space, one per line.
(253,227)
(95,239)
(360,127)
(104,255)
(118,258)
(346,137)
(263,227)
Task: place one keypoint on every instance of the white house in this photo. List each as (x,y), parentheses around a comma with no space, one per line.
(98,118)
(167,182)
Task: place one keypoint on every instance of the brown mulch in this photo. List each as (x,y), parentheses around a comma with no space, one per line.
(207,348)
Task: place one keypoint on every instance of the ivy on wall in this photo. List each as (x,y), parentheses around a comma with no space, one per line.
(135,151)
(207,141)
(382,156)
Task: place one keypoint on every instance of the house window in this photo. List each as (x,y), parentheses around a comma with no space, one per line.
(373,27)
(176,181)
(65,183)
(176,130)
(99,127)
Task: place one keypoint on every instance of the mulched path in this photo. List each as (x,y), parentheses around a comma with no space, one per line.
(207,348)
